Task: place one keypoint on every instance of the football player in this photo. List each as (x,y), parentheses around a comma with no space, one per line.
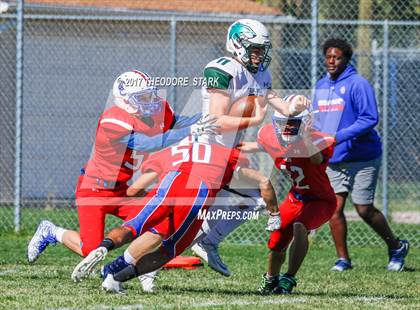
(138,122)
(302,154)
(190,175)
(244,73)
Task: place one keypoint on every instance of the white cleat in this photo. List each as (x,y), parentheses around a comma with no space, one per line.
(85,267)
(44,235)
(147,281)
(200,252)
(112,286)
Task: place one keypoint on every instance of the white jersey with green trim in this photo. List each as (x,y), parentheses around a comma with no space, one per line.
(228,74)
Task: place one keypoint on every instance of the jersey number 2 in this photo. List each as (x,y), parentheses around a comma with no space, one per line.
(299,178)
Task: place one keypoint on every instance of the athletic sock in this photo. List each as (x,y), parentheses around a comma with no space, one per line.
(59,232)
(128,258)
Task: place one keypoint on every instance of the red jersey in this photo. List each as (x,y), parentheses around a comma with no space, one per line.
(308,180)
(112,161)
(213,163)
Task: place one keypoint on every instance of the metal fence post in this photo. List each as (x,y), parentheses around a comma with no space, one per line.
(172,95)
(314,43)
(376,68)
(385,51)
(18,126)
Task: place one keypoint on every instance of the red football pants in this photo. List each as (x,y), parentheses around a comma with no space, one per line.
(172,211)
(94,203)
(312,214)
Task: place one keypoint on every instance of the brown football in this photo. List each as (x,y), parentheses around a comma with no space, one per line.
(244,106)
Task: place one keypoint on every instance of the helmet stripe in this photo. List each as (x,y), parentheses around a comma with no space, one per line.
(142,74)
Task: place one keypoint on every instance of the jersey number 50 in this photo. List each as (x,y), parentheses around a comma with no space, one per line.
(192,153)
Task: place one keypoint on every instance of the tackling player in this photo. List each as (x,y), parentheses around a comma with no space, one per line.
(191,174)
(139,121)
(244,73)
(302,154)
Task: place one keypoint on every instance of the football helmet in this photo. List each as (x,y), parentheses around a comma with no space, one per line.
(245,35)
(133,92)
(290,129)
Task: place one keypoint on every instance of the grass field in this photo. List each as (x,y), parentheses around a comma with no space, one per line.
(252,232)
(47,284)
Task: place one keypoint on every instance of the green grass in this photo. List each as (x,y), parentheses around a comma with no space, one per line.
(47,284)
(252,232)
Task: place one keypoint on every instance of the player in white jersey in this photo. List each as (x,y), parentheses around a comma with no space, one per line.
(228,79)
(244,73)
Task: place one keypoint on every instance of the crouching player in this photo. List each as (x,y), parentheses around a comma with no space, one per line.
(302,154)
(190,175)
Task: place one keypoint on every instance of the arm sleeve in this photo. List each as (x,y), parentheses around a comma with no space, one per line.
(182,121)
(216,78)
(364,102)
(143,143)
(151,164)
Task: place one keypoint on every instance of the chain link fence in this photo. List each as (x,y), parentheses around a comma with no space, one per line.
(70,60)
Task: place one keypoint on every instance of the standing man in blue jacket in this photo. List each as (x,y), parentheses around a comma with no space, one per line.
(346,106)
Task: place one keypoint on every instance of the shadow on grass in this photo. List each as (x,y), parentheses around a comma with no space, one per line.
(409,269)
(228,292)
(348,295)
(204,290)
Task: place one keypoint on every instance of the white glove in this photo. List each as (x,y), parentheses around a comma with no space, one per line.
(205,125)
(260,204)
(299,104)
(274,221)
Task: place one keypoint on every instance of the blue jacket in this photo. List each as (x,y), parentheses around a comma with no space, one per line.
(347,107)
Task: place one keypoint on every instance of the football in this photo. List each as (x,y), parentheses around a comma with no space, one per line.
(244,106)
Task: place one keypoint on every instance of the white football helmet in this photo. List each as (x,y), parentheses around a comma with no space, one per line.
(290,129)
(133,92)
(245,34)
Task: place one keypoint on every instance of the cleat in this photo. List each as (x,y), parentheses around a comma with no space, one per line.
(112,286)
(114,267)
(286,284)
(147,281)
(105,271)
(85,267)
(342,264)
(396,257)
(210,254)
(268,284)
(44,235)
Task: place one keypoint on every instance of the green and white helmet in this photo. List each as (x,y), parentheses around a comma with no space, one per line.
(244,34)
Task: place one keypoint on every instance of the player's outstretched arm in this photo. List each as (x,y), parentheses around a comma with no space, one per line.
(143,143)
(138,188)
(266,188)
(219,106)
(182,121)
(267,193)
(288,109)
(249,147)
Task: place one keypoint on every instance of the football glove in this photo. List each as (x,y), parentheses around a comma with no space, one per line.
(274,221)
(205,125)
(260,204)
